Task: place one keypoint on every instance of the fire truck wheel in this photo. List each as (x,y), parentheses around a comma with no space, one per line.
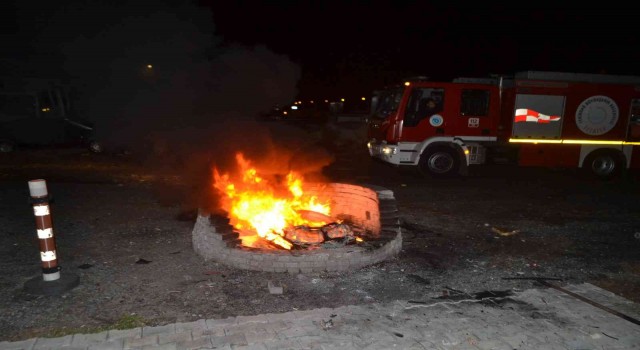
(439,162)
(604,164)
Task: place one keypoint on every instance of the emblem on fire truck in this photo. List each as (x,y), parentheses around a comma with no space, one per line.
(597,115)
(436,120)
(529,115)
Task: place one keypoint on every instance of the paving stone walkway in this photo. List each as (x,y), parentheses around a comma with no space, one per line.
(538,319)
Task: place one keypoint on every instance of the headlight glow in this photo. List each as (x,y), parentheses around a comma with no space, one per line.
(388,150)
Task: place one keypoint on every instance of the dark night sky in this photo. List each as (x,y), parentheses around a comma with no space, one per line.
(357,46)
(341,44)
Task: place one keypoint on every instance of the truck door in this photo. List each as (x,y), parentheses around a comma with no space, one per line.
(471,112)
(422,116)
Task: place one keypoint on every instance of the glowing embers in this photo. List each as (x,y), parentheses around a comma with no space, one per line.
(280,212)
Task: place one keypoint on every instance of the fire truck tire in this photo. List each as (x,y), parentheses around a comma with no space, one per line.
(439,162)
(604,164)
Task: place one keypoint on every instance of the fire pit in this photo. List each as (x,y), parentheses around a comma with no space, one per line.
(370,210)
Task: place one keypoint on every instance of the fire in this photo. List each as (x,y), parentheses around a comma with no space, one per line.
(258,206)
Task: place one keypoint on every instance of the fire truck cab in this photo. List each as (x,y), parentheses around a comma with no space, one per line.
(533,118)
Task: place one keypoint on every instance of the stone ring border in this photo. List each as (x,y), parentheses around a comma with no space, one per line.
(216,241)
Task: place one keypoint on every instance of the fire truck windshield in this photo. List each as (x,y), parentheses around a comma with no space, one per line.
(388,102)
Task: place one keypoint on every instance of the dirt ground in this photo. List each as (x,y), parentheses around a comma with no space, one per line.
(124,228)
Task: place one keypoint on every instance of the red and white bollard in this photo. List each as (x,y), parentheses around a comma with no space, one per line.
(44,227)
(51,282)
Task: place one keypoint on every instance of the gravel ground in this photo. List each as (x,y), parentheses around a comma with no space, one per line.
(124,228)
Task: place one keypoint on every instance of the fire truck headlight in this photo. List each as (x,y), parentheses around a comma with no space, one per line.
(387,150)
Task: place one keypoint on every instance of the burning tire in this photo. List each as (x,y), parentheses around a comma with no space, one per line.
(604,164)
(439,162)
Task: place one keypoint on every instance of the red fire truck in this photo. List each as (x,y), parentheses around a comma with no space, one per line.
(533,118)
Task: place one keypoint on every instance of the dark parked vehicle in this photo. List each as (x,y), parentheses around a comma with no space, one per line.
(37,112)
(297,112)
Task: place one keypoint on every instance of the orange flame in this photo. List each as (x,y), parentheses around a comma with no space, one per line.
(253,203)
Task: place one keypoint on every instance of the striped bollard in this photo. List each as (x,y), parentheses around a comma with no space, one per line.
(44,228)
(51,282)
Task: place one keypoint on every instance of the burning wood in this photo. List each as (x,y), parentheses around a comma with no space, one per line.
(279,212)
(336,230)
(303,235)
(268,207)
(279,240)
(310,236)
(315,216)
